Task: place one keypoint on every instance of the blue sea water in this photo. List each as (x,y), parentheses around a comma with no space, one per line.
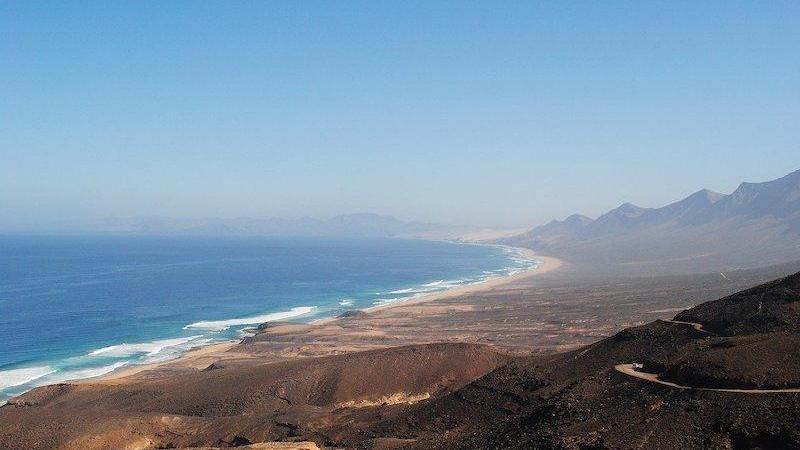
(78,307)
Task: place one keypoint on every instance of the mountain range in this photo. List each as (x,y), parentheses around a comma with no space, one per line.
(361,224)
(756,225)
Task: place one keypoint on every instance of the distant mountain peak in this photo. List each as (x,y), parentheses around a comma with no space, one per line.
(629,207)
(357,224)
(364,215)
(756,224)
(577,218)
(708,195)
(701,198)
(794,176)
(628,210)
(789,180)
(776,198)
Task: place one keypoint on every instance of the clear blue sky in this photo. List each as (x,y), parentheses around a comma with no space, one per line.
(494,113)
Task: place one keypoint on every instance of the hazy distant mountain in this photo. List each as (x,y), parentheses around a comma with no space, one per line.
(758,224)
(363,224)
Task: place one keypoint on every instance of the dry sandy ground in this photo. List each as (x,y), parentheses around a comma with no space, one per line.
(540,311)
(269,446)
(316,382)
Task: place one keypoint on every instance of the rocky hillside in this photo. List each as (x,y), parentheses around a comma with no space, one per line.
(579,400)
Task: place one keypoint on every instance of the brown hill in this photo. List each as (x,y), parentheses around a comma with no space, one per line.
(444,396)
(240,405)
(773,306)
(578,400)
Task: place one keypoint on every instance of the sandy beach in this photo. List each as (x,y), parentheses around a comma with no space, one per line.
(340,380)
(546,264)
(336,335)
(539,311)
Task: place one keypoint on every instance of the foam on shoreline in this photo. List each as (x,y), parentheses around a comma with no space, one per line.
(220,325)
(521,262)
(114,357)
(105,360)
(152,348)
(18,377)
(82,374)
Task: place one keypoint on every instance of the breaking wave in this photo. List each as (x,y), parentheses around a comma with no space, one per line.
(220,325)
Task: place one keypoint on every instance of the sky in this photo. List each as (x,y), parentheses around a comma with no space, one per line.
(503,114)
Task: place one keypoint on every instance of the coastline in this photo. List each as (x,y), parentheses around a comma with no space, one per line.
(342,383)
(545,264)
(194,358)
(376,273)
(197,358)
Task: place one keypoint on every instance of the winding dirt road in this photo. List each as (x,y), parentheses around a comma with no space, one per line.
(696,326)
(629,369)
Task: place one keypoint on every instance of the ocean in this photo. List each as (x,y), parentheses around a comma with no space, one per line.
(79,307)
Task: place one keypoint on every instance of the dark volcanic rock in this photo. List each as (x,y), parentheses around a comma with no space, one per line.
(212,366)
(774,306)
(578,400)
(264,326)
(353,313)
(758,361)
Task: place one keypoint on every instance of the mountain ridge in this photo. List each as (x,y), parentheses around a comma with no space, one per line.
(345,225)
(757,223)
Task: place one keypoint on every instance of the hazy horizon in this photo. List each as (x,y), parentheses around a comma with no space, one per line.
(503,115)
(90,225)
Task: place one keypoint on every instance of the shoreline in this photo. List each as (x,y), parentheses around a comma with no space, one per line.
(546,264)
(196,357)
(201,356)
